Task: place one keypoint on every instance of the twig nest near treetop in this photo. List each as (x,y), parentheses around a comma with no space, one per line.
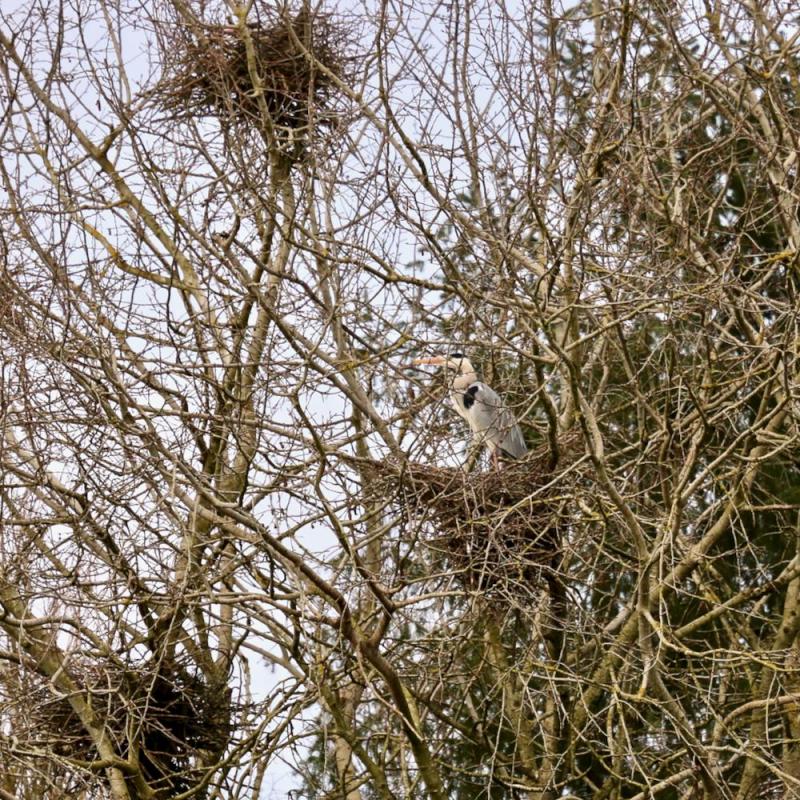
(285,64)
(496,527)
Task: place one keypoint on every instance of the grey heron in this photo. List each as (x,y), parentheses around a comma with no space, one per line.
(484,410)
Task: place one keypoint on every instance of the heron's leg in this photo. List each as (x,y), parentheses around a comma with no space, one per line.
(473,454)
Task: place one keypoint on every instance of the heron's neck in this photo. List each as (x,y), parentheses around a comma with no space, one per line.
(464,380)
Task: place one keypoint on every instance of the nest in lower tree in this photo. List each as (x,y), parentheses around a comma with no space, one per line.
(279,74)
(170,718)
(500,531)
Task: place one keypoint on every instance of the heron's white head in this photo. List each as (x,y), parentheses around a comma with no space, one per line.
(455,361)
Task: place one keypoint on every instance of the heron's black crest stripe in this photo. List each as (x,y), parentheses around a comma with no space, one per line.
(469,395)
(457,355)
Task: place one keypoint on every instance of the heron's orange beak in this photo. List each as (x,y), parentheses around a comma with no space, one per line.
(430,361)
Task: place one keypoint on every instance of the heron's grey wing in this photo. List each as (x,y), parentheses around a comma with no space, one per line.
(497,424)
(514,442)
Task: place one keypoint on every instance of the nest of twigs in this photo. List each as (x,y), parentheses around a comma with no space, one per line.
(498,530)
(280,74)
(167,715)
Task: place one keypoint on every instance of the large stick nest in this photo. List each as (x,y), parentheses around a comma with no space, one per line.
(165,714)
(279,75)
(498,530)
